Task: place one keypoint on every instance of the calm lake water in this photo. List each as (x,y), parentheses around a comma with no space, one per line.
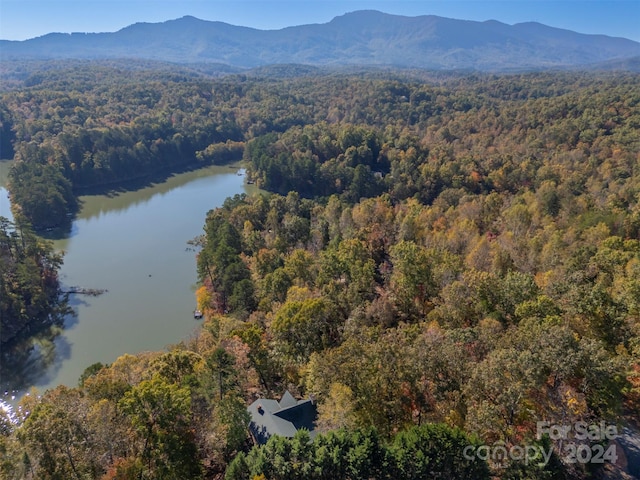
(133,244)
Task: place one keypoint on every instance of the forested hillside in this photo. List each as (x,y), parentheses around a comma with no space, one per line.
(442,262)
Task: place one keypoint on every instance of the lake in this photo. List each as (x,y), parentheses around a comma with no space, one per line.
(134,245)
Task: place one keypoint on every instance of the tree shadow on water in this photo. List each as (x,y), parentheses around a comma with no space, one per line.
(59,233)
(146,180)
(34,361)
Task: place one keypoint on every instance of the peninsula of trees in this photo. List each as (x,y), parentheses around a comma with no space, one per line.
(30,296)
(441,260)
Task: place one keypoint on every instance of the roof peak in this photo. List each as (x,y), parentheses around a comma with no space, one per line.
(287,400)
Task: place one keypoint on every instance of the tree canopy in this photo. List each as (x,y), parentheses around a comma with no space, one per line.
(444,258)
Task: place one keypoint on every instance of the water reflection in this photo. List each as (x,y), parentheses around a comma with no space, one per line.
(34,361)
(5,167)
(5,205)
(133,243)
(98,202)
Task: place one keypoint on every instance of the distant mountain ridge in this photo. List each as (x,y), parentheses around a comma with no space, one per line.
(364,37)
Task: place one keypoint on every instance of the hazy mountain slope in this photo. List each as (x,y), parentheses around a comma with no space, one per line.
(359,38)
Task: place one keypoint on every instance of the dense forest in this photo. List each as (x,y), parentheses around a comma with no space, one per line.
(30,296)
(442,261)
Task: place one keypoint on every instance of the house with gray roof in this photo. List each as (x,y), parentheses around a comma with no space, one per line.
(284,417)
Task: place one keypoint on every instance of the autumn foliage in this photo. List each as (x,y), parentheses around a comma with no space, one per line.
(461,251)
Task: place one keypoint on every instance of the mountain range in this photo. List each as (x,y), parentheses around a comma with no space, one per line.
(364,38)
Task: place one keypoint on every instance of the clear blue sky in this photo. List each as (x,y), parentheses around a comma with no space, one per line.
(22,19)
